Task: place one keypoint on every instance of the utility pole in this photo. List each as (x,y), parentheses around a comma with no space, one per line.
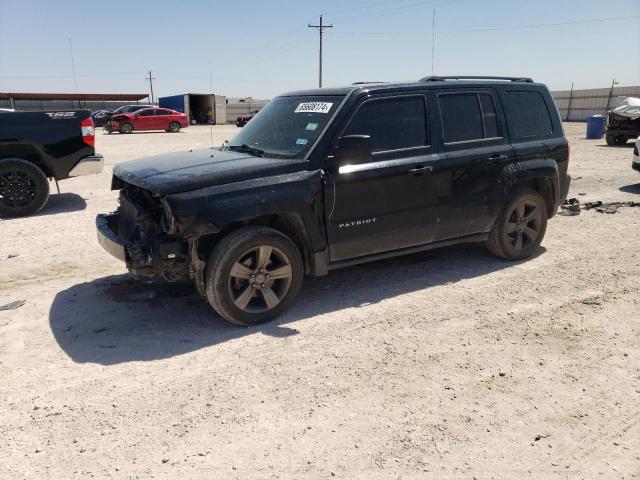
(151,79)
(433,38)
(570,100)
(614,82)
(320,28)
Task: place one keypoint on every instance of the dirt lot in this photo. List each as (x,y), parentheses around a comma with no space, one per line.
(447,364)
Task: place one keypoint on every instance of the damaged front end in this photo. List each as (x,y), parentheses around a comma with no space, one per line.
(141,234)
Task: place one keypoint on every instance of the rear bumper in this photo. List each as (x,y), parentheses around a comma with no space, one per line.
(107,228)
(636,163)
(88,165)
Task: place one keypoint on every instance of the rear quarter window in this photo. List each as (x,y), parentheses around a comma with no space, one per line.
(529,114)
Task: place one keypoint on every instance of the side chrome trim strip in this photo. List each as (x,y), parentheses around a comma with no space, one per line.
(401,162)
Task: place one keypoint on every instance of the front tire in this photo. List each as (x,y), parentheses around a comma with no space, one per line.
(253,275)
(520,226)
(24,188)
(126,128)
(174,127)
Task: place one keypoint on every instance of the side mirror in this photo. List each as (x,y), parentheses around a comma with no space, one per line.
(350,150)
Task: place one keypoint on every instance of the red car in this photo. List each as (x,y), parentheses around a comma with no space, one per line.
(242,120)
(148,119)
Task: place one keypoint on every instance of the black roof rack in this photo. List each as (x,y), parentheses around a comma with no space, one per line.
(365,83)
(436,78)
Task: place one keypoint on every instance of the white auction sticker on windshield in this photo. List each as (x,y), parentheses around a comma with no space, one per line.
(314,107)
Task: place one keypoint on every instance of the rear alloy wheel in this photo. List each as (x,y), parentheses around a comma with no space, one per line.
(126,128)
(24,188)
(520,226)
(174,127)
(253,275)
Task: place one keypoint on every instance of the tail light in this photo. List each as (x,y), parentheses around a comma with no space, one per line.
(635,151)
(88,132)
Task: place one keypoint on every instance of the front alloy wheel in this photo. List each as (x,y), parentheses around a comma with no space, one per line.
(260,279)
(253,275)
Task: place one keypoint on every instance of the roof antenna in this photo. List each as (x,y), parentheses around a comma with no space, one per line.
(212,103)
(433,38)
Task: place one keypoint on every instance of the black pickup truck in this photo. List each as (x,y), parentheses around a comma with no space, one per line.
(37,146)
(326,178)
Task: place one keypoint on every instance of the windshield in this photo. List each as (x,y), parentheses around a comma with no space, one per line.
(286,127)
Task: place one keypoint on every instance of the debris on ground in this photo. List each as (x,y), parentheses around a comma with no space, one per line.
(591,301)
(570,207)
(609,207)
(13,305)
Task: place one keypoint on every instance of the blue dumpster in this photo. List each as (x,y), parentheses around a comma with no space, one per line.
(595,126)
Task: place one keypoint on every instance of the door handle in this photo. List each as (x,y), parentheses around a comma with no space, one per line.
(421,170)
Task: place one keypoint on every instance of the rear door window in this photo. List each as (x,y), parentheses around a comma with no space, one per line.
(529,114)
(461,117)
(392,123)
(468,116)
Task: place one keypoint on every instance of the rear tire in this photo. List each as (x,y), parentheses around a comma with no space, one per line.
(126,128)
(174,127)
(520,226)
(253,275)
(24,188)
(614,140)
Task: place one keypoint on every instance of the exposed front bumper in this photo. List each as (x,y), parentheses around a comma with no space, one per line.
(88,166)
(107,227)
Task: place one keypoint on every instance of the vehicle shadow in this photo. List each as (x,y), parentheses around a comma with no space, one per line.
(62,203)
(631,189)
(624,145)
(115,319)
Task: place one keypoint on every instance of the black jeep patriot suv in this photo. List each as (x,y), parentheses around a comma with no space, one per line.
(326,178)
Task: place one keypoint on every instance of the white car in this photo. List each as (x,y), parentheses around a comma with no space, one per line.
(636,155)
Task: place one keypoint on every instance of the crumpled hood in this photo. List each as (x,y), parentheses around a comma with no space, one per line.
(185,171)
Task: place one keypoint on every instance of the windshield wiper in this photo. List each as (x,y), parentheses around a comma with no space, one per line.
(246,148)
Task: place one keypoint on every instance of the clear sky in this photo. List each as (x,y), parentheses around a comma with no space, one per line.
(262,48)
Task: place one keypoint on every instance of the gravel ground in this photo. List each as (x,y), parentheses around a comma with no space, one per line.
(446,364)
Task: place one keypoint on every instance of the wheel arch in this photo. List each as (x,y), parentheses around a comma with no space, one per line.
(28,153)
(541,175)
(287,223)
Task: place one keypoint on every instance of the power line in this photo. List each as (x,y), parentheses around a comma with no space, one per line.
(494,29)
(367,7)
(320,28)
(398,10)
(73,67)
